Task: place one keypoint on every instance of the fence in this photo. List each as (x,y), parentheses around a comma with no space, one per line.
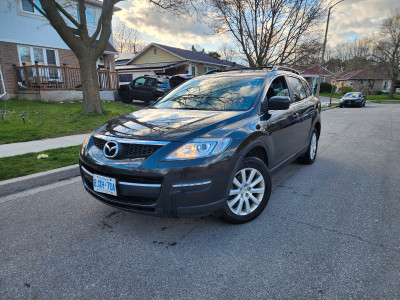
(60,78)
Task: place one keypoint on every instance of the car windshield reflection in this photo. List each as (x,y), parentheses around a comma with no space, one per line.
(214,93)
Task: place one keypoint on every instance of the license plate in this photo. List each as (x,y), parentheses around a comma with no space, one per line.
(104,184)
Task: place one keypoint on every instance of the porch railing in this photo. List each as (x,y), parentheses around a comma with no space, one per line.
(60,78)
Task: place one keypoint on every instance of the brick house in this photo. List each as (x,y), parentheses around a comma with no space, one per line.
(26,36)
(363,80)
(165,60)
(311,76)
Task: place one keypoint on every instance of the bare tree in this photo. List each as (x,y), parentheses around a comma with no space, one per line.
(227,51)
(74,32)
(387,48)
(127,39)
(87,49)
(269,31)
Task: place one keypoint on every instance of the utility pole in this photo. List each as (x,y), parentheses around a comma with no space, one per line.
(322,61)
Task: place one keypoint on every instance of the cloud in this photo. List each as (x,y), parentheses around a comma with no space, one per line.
(354,18)
(165,27)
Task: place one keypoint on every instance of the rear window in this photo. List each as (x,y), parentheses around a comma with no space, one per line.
(216,93)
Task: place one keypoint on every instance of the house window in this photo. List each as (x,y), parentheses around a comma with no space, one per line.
(155,51)
(28,7)
(208,69)
(90,16)
(43,56)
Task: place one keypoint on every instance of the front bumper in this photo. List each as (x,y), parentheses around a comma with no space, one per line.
(351,102)
(173,189)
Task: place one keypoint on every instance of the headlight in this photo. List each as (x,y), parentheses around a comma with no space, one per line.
(85,144)
(200,148)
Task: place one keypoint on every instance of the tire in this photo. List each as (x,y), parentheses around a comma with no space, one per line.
(309,157)
(340,105)
(246,202)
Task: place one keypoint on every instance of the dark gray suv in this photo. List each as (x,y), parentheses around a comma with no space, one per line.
(209,146)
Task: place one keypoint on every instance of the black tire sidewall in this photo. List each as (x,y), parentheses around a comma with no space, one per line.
(250,162)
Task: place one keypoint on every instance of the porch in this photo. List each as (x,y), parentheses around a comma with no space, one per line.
(52,83)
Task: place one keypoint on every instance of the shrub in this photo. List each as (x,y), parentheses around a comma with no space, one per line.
(327,87)
(378,92)
(345,89)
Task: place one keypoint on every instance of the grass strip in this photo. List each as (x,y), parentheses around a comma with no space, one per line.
(50,120)
(382,97)
(26,164)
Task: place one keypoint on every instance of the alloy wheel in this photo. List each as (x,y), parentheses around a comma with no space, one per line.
(247,191)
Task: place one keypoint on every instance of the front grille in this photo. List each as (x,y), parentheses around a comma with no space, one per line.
(138,150)
(126,178)
(99,143)
(131,150)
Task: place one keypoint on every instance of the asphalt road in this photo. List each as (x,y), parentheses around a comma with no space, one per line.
(330,231)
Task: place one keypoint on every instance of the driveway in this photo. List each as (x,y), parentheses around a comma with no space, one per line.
(330,230)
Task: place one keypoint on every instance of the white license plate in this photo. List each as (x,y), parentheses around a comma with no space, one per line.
(104,184)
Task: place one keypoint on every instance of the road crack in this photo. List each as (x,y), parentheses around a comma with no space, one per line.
(337,232)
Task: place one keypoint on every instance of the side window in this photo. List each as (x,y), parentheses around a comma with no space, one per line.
(308,89)
(278,87)
(140,81)
(297,88)
(151,82)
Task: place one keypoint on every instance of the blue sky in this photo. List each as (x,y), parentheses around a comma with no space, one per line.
(349,20)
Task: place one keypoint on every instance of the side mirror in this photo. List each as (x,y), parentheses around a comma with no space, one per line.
(278,103)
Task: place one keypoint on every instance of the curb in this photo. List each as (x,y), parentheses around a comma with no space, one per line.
(20,184)
(329,108)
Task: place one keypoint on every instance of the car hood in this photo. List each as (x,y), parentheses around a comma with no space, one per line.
(168,124)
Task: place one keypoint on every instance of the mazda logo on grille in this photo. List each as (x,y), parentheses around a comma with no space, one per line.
(110,149)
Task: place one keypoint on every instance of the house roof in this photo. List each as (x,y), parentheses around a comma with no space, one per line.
(315,71)
(109,48)
(186,55)
(151,66)
(360,75)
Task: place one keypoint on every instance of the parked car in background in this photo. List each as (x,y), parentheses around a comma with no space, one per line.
(208,146)
(352,99)
(149,88)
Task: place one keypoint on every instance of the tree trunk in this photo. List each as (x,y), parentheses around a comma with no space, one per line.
(392,85)
(90,85)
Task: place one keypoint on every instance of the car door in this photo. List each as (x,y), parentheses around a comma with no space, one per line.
(148,89)
(303,108)
(137,88)
(278,125)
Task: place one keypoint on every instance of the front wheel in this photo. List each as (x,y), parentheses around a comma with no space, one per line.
(249,192)
(309,157)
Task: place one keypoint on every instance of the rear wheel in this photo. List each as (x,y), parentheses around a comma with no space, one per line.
(249,192)
(309,157)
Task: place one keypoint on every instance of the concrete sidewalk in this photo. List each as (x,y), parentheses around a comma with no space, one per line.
(7,150)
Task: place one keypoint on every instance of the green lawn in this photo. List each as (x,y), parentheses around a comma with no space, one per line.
(49,120)
(25,164)
(369,97)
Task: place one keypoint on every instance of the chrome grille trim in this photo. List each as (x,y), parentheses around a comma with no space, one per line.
(130,141)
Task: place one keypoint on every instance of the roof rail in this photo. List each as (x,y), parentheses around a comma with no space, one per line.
(283,68)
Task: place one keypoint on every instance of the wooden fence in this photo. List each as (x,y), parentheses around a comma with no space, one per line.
(60,78)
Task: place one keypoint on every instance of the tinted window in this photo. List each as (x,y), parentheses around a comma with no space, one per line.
(308,89)
(278,87)
(297,89)
(140,81)
(151,81)
(217,93)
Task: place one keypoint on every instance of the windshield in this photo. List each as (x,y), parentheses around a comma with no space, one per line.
(352,95)
(214,93)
